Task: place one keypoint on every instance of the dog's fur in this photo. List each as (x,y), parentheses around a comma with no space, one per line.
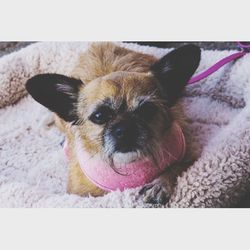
(124,81)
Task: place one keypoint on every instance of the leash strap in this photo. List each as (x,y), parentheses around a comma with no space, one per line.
(245,47)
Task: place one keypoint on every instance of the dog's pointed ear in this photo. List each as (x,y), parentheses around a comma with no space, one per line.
(175,69)
(58,93)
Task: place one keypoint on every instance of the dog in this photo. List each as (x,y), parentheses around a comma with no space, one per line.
(120,103)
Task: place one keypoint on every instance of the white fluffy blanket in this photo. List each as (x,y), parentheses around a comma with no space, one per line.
(33,171)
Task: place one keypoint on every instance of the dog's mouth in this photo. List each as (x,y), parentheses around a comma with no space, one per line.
(120,158)
(132,172)
(156,155)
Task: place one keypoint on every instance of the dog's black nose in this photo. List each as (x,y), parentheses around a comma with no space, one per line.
(120,132)
(124,130)
(125,134)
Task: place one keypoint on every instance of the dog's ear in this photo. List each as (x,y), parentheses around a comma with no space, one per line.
(58,93)
(175,69)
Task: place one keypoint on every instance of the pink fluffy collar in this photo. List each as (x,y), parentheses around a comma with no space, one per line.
(134,174)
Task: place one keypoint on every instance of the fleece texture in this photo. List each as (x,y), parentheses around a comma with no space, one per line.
(33,169)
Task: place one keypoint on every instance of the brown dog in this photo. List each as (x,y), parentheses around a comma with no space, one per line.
(121,104)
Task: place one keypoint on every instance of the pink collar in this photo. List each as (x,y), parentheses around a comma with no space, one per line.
(133,174)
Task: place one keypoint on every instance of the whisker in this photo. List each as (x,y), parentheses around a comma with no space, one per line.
(166,151)
(112,165)
(152,156)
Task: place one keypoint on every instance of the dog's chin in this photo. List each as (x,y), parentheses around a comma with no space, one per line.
(125,158)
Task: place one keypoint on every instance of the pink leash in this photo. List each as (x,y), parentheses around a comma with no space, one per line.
(245,47)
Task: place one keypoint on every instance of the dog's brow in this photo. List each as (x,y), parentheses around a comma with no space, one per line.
(114,103)
(140,100)
(109,102)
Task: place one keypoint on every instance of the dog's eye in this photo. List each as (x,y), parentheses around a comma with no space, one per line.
(101,116)
(146,111)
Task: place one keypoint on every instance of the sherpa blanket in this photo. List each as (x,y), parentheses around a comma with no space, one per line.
(33,170)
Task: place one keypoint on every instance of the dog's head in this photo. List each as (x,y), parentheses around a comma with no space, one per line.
(122,116)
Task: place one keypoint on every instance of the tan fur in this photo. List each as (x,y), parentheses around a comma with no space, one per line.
(113,72)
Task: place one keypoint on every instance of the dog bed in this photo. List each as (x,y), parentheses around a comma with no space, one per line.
(33,169)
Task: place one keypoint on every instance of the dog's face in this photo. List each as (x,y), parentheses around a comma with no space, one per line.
(122,116)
